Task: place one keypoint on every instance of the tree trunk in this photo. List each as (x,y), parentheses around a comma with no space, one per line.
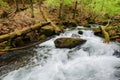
(32,10)
(17,5)
(57,29)
(82,4)
(106,35)
(23,3)
(22,32)
(60,9)
(39,4)
(75,10)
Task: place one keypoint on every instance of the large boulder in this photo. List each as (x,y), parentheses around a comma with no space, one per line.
(68,42)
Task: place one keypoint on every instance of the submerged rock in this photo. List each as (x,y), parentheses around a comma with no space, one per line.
(117,53)
(68,42)
(80,32)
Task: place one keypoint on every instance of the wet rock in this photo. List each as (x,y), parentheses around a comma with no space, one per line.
(68,42)
(117,73)
(117,53)
(14,60)
(18,42)
(69,23)
(80,32)
(98,34)
(87,25)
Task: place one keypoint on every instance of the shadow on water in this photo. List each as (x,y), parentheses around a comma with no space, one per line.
(16,59)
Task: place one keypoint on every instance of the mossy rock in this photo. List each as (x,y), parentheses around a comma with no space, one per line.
(68,42)
(69,23)
(31,36)
(42,37)
(3,44)
(18,42)
(47,30)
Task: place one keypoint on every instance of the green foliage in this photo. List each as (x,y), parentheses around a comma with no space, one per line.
(57,2)
(3,4)
(53,2)
(110,6)
(101,6)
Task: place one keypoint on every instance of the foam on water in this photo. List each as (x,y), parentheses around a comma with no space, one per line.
(92,61)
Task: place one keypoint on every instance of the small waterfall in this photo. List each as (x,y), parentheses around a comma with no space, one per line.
(92,61)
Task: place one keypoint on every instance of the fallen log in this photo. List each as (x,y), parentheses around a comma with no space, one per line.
(3,51)
(114,37)
(57,29)
(109,32)
(106,35)
(22,32)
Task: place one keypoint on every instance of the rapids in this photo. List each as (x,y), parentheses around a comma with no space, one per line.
(93,60)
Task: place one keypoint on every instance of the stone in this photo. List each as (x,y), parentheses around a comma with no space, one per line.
(47,30)
(42,37)
(69,24)
(3,44)
(80,32)
(68,42)
(18,42)
(116,53)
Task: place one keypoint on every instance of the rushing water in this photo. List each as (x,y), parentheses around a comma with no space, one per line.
(92,61)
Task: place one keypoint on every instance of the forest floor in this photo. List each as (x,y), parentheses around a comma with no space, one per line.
(22,19)
(19,20)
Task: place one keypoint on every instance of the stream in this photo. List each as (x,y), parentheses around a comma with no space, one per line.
(94,60)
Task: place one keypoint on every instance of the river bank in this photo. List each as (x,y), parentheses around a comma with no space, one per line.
(17,22)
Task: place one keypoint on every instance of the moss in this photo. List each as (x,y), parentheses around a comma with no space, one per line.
(47,30)
(7,47)
(68,42)
(106,35)
(96,29)
(3,44)
(18,32)
(113,31)
(42,37)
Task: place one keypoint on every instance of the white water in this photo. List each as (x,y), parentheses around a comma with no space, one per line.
(92,61)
